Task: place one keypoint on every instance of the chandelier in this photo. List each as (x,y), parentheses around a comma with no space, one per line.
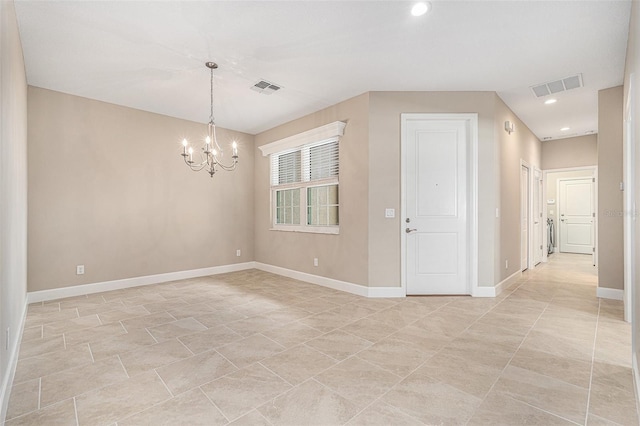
(211,152)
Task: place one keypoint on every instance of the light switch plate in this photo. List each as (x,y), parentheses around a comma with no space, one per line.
(390,213)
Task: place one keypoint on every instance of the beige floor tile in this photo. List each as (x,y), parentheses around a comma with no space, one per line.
(448,321)
(338,344)
(489,353)
(44,317)
(41,346)
(166,305)
(446,404)
(560,346)
(309,403)
(500,410)
(399,315)
(138,299)
(87,310)
(52,362)
(75,381)
(194,371)
(298,364)
(466,374)
(122,313)
(40,307)
(383,415)
(327,321)
(153,356)
(60,414)
(358,380)
(238,393)
(317,305)
(70,325)
(249,350)
(209,339)
(193,310)
(176,329)
(593,420)
(94,334)
(370,329)
(396,356)
(424,340)
(190,408)
(121,343)
(114,402)
(376,304)
(32,333)
(253,418)
(147,321)
(544,392)
(252,325)
(612,394)
(571,370)
(292,334)
(25,398)
(352,311)
(219,317)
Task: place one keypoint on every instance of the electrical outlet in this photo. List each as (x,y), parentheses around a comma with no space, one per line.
(506,264)
(238,252)
(315,261)
(80,270)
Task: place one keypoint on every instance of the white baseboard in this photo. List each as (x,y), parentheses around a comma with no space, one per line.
(483,291)
(81,290)
(5,390)
(610,293)
(508,282)
(348,287)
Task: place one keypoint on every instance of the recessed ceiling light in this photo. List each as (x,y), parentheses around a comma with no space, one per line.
(564,129)
(420,9)
(550,101)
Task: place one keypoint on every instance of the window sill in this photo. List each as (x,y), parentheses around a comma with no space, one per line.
(335,230)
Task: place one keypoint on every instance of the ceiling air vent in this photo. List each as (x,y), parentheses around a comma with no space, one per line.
(266,87)
(564,84)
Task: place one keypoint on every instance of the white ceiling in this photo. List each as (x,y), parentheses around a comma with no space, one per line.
(150,55)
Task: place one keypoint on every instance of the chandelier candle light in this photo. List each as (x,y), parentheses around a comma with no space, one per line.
(211,151)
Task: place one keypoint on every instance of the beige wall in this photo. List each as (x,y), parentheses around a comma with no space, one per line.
(570,152)
(610,221)
(13,192)
(367,251)
(521,145)
(632,96)
(342,257)
(108,189)
(384,175)
(552,193)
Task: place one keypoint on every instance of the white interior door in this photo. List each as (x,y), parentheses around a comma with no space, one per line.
(524,217)
(537,217)
(435,160)
(576,216)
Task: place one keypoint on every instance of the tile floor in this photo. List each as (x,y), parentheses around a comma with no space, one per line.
(252,348)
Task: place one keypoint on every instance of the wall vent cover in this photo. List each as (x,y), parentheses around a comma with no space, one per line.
(557,86)
(266,87)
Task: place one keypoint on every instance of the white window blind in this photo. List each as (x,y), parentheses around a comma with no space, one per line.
(308,163)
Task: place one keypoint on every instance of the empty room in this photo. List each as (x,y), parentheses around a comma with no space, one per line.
(319,212)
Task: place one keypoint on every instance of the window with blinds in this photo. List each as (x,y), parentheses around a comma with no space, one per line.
(305,187)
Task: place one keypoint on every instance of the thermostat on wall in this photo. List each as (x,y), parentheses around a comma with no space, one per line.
(551,201)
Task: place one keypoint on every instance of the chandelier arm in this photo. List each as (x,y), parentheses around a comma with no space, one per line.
(226,167)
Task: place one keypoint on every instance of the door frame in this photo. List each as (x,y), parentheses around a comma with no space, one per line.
(472,193)
(541,204)
(529,214)
(594,174)
(629,176)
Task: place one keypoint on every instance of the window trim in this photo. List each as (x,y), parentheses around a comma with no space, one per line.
(319,135)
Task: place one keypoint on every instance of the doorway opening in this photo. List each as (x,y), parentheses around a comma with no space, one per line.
(570,197)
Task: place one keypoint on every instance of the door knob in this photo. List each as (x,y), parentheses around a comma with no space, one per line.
(409,230)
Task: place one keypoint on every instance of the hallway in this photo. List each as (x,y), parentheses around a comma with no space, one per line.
(256,348)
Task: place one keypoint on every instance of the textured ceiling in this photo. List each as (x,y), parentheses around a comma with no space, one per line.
(151,55)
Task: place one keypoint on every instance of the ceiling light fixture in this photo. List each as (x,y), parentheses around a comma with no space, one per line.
(420,9)
(564,129)
(211,151)
(550,101)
